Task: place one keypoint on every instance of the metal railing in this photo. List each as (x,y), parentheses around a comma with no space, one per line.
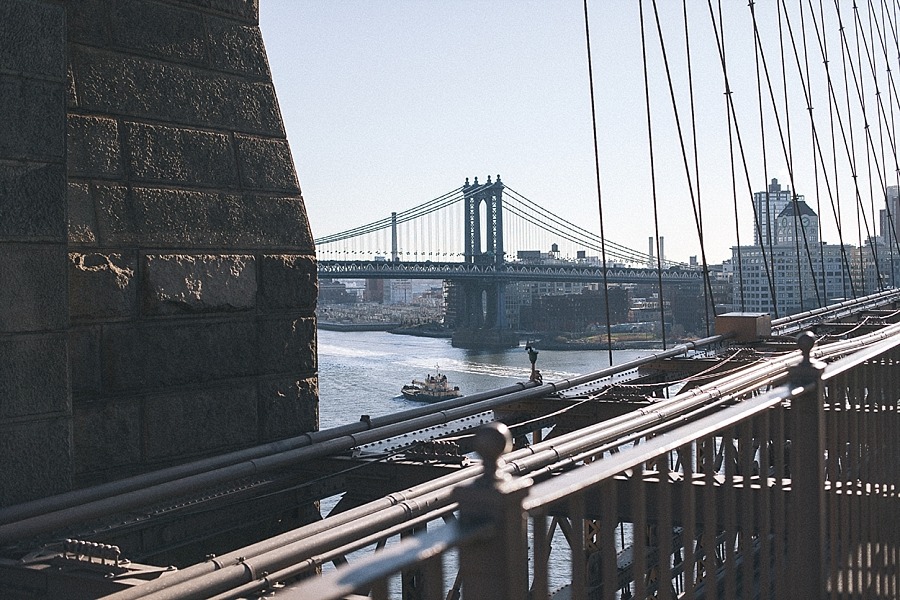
(790,493)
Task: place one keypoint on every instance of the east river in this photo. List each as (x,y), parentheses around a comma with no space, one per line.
(362,372)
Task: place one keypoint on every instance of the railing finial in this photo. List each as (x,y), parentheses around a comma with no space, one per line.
(809,368)
(491,442)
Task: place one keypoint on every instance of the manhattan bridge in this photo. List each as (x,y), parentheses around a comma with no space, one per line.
(463,235)
(759,461)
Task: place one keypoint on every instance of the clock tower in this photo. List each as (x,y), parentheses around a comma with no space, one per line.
(795,223)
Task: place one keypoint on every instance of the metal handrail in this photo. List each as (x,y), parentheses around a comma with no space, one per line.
(413,551)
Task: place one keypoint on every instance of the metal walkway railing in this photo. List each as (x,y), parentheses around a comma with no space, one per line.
(790,493)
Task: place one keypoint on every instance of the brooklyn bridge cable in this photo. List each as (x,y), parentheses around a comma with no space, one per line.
(737,131)
(662,314)
(587,37)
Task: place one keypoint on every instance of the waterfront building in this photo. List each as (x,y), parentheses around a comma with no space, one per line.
(796,275)
(797,272)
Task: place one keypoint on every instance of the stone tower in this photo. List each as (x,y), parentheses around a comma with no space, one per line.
(157,271)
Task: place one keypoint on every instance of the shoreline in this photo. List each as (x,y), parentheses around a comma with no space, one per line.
(424,332)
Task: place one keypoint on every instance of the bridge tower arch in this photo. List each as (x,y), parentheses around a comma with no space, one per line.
(482,303)
(491,194)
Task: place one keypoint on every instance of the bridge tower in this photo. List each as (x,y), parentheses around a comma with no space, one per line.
(482,303)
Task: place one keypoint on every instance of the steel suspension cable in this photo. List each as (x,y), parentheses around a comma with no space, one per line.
(587,37)
(737,131)
(832,194)
(762,136)
(892,138)
(662,313)
(545,216)
(809,110)
(574,238)
(870,156)
(709,299)
(882,114)
(438,203)
(845,58)
(790,164)
(707,290)
(737,229)
(788,156)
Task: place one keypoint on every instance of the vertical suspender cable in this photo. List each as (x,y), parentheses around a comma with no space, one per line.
(662,312)
(892,228)
(855,170)
(709,297)
(769,221)
(737,269)
(720,45)
(790,163)
(834,195)
(813,140)
(836,200)
(587,37)
(695,199)
(786,146)
(873,247)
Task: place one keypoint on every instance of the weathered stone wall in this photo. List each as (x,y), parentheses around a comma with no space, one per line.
(35,406)
(189,312)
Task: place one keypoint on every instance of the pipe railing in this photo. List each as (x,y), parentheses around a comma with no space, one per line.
(787,494)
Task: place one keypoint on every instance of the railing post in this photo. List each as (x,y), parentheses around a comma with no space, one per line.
(497,568)
(806,532)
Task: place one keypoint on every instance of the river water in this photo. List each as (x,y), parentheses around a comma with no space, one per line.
(362,372)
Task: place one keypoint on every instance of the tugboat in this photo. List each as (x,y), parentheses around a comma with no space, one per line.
(433,389)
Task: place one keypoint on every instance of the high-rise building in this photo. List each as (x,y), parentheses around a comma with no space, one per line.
(768,206)
(890,215)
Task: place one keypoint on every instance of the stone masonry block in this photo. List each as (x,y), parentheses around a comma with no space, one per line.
(88,22)
(288,346)
(180,156)
(244,10)
(93,147)
(288,281)
(33,290)
(101,285)
(237,48)
(193,423)
(35,459)
(82,220)
(159,30)
(287,408)
(32,202)
(84,362)
(266,164)
(180,283)
(191,219)
(32,38)
(33,375)
(115,225)
(106,435)
(33,119)
(136,87)
(170,354)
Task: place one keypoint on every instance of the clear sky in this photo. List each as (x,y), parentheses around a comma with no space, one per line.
(390,103)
